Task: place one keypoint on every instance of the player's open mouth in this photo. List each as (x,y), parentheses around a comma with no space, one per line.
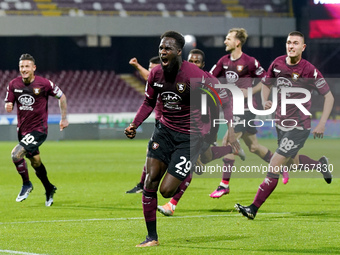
(165,61)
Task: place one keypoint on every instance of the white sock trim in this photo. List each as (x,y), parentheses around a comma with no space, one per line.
(173,207)
(224,185)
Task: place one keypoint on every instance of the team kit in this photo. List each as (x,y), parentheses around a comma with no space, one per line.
(191,105)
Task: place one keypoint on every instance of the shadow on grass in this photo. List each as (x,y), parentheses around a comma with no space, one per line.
(206,239)
(97,208)
(324,250)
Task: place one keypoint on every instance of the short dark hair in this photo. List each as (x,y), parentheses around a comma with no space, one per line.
(297,33)
(155,60)
(180,41)
(27,56)
(198,51)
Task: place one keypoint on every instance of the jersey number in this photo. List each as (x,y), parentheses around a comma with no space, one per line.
(28,139)
(286,144)
(184,166)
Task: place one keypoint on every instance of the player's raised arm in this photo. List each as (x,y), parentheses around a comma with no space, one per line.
(142,71)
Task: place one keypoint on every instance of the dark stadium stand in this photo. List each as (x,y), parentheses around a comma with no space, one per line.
(86,91)
(232,8)
(106,92)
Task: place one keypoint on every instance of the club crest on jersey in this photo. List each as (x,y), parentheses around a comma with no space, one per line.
(155,145)
(181,87)
(239,68)
(36,91)
(295,76)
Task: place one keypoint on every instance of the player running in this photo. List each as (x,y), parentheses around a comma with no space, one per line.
(30,93)
(240,69)
(176,142)
(210,153)
(290,73)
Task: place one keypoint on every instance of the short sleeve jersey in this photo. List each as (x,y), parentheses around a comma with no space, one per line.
(302,75)
(177,113)
(32,102)
(240,72)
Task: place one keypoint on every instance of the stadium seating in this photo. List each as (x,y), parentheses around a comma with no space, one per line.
(86,91)
(106,92)
(233,8)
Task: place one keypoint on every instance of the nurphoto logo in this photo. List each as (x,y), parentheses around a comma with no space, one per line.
(238,103)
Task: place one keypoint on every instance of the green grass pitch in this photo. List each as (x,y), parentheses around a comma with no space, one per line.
(93,215)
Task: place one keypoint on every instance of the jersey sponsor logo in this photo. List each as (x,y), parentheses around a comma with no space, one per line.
(181,87)
(25,108)
(18,90)
(171,100)
(276,70)
(320,83)
(158,85)
(295,76)
(226,67)
(155,145)
(283,82)
(239,68)
(231,76)
(36,91)
(26,100)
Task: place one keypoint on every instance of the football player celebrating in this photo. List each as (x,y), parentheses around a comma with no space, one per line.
(31,93)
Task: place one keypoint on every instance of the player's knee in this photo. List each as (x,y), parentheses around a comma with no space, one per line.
(253,148)
(205,159)
(15,155)
(167,193)
(151,183)
(35,164)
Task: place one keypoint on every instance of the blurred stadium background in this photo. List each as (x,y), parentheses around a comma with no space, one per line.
(85,45)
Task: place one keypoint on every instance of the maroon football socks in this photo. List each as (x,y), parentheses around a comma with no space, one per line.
(149,200)
(265,189)
(21,166)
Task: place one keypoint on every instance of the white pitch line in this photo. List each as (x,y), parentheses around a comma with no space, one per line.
(19,252)
(133,218)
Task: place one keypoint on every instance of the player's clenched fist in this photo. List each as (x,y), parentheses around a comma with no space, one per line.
(130,131)
(9,107)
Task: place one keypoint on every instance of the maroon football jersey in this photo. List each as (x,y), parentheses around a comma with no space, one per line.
(32,102)
(241,72)
(177,113)
(302,75)
(158,109)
